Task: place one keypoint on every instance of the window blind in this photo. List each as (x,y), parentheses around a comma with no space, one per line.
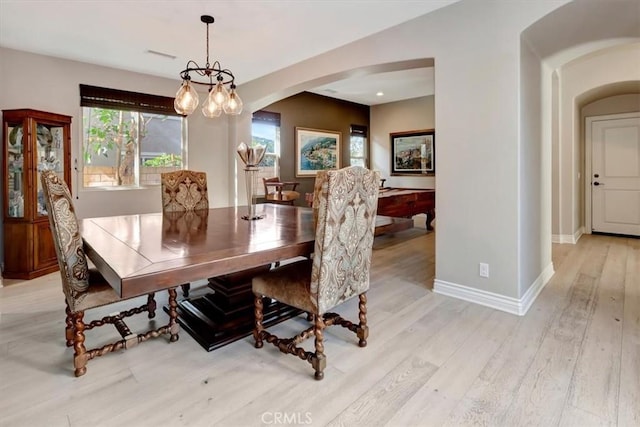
(114,99)
(359,130)
(267,117)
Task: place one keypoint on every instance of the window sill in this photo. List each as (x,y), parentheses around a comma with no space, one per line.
(119,188)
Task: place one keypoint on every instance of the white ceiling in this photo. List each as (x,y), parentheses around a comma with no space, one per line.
(394,86)
(252,38)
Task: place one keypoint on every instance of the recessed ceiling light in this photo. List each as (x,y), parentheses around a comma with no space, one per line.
(380,94)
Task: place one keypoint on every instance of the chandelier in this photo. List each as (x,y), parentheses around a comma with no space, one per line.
(212,75)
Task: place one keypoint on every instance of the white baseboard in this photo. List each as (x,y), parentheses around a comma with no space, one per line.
(493,300)
(568,238)
(536,287)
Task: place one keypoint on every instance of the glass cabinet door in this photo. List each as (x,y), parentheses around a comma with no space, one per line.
(49,156)
(15,170)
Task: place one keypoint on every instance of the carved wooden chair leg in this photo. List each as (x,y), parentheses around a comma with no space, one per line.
(319,360)
(174,328)
(185,289)
(151,305)
(80,357)
(363,329)
(68,330)
(257,332)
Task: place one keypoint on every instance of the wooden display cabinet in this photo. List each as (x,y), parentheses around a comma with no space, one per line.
(32,141)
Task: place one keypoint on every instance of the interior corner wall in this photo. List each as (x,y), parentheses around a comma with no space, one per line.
(401,116)
(605,67)
(534,198)
(556,160)
(314,111)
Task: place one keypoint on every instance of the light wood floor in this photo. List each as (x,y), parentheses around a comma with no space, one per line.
(573,360)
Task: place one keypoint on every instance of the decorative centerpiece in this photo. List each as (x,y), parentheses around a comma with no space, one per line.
(251,156)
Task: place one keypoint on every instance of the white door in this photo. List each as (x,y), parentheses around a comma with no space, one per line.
(615,176)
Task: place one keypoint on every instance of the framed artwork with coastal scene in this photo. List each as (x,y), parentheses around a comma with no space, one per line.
(413,152)
(316,150)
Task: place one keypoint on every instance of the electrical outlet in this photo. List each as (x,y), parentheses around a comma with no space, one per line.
(484,269)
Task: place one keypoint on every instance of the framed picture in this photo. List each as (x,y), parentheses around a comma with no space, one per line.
(413,152)
(316,150)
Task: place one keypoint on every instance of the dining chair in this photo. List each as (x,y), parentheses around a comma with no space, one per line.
(280,192)
(345,202)
(85,288)
(184,191)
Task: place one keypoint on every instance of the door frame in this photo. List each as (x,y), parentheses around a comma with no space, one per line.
(588,144)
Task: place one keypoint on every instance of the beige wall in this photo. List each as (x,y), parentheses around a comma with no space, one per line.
(534,199)
(408,115)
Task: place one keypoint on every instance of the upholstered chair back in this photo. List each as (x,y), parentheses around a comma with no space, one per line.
(346,201)
(184,190)
(66,237)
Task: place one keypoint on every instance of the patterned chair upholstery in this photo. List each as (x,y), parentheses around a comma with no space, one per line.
(85,288)
(184,191)
(345,203)
(276,191)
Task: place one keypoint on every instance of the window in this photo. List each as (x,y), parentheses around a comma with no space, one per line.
(358,146)
(265,130)
(128,138)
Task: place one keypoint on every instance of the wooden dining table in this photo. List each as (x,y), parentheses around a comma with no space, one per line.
(143,253)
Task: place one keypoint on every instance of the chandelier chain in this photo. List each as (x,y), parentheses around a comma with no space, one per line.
(207,66)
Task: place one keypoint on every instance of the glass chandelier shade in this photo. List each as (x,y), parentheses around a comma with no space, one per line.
(186,99)
(234,105)
(220,94)
(216,78)
(211,108)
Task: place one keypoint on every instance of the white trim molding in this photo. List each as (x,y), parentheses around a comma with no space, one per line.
(568,238)
(493,300)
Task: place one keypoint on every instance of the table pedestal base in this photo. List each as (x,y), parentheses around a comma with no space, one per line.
(226,315)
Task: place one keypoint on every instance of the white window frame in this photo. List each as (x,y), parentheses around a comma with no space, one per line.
(359,131)
(269,171)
